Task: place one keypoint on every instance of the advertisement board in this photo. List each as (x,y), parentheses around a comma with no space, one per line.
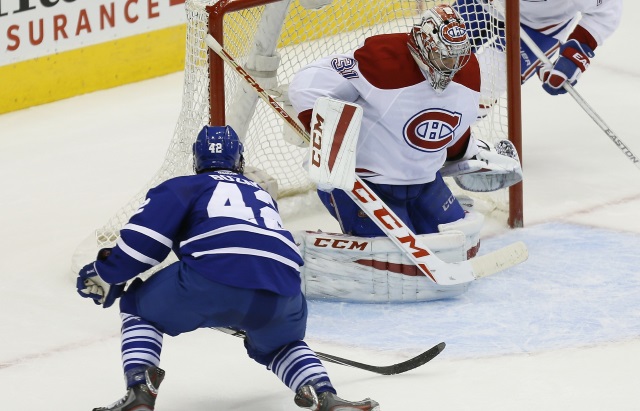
(53,49)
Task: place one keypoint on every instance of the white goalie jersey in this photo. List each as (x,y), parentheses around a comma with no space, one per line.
(405,121)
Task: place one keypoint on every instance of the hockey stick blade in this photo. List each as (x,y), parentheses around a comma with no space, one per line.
(499,260)
(392,369)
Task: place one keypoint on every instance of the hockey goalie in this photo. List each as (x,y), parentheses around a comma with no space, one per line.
(418,95)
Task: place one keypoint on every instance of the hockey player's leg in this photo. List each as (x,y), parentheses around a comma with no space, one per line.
(354,221)
(293,362)
(438,207)
(141,345)
(301,370)
(434,206)
(163,304)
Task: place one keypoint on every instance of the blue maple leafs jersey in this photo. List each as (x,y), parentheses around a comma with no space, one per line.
(221,224)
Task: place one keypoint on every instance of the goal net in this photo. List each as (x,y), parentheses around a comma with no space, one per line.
(272,40)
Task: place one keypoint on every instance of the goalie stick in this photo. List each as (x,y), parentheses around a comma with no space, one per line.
(431,266)
(581,101)
(392,369)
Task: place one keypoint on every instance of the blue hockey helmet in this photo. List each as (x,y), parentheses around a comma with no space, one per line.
(218,148)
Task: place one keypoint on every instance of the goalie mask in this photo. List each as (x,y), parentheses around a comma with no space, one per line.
(218,148)
(439,45)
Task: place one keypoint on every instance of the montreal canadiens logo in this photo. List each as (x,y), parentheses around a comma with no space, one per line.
(453,33)
(431,130)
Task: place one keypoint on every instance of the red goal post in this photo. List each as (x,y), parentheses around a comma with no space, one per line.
(274,39)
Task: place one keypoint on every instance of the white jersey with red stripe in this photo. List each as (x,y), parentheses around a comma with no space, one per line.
(556,17)
(407,127)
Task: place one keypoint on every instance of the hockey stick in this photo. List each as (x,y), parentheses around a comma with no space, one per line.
(581,101)
(392,369)
(433,267)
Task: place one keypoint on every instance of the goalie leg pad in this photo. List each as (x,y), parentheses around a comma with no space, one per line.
(470,226)
(351,218)
(422,207)
(341,267)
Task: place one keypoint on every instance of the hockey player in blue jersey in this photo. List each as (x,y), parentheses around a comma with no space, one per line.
(237,267)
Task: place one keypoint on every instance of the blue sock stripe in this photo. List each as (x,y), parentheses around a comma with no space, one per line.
(310,373)
(297,365)
(142,353)
(141,342)
(291,361)
(128,365)
(292,365)
(285,352)
(143,329)
(127,318)
(138,336)
(147,350)
(287,357)
(138,327)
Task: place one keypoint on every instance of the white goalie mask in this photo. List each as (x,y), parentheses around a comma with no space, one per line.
(439,45)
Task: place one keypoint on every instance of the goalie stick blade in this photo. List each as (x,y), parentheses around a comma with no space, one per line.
(398,368)
(499,260)
(392,369)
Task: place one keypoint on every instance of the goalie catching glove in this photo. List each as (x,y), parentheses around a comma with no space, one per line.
(484,168)
(91,285)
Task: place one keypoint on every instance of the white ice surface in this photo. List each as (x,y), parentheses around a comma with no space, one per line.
(559,332)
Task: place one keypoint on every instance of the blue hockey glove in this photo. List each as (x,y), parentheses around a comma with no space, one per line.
(91,285)
(573,61)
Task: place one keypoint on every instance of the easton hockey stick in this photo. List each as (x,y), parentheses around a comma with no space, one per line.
(413,247)
(392,369)
(581,101)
